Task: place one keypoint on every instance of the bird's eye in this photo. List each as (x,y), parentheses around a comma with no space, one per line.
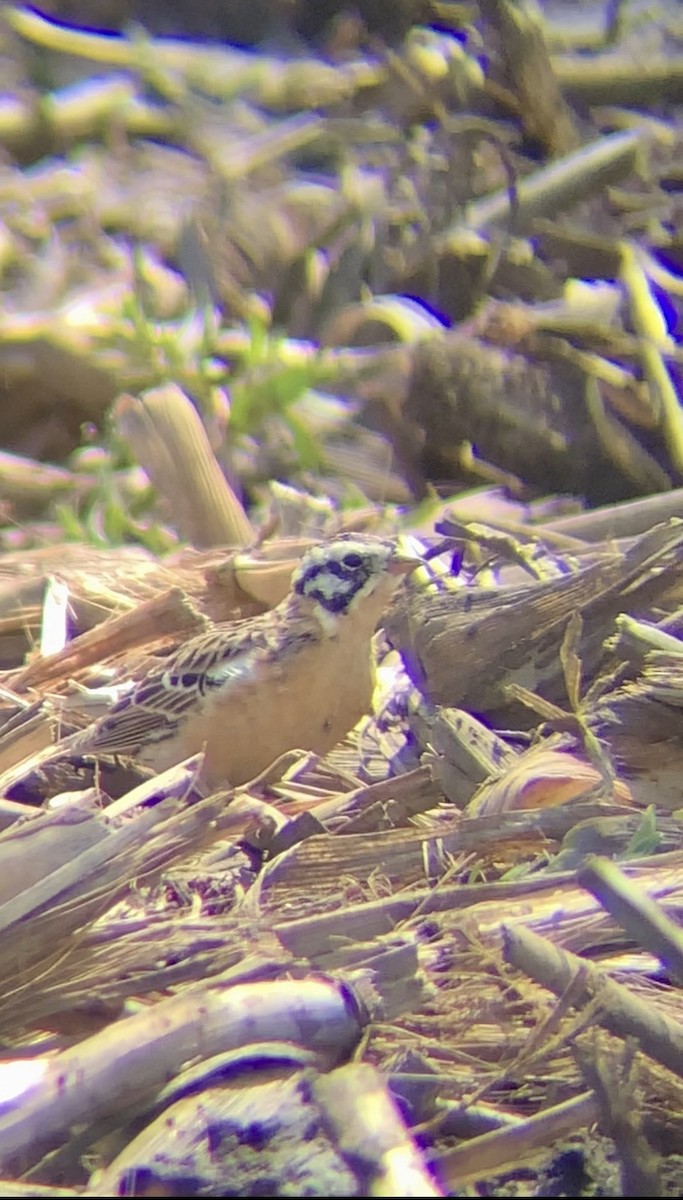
(352,560)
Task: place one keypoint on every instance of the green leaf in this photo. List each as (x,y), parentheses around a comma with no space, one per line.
(646,839)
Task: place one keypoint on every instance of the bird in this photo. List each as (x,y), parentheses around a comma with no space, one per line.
(297,677)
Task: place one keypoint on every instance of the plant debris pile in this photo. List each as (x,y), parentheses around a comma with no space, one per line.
(269,273)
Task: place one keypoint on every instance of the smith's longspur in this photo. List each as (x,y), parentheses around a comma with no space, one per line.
(299,676)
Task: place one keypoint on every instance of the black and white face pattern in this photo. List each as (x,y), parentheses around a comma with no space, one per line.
(338,573)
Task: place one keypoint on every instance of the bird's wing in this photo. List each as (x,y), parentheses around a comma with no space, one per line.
(220,659)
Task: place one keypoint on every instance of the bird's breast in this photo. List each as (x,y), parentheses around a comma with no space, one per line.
(307,698)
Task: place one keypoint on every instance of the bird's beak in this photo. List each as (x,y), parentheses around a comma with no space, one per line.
(403,561)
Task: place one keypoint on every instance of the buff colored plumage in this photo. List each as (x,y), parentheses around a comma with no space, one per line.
(299,676)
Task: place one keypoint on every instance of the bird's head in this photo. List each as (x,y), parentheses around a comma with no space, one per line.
(339,574)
